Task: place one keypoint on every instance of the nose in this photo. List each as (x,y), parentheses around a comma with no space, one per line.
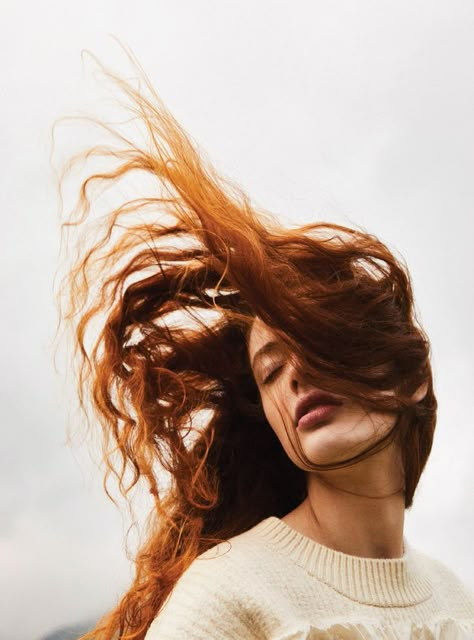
(297,380)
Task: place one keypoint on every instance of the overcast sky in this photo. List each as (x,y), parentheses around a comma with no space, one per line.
(353,112)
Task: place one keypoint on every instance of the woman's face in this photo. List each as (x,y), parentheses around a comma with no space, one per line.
(349,430)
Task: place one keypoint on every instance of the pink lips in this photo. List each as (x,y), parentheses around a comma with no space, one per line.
(314,407)
(317,415)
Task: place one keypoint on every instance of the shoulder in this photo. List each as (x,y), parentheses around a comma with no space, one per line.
(436,567)
(212,598)
(443,579)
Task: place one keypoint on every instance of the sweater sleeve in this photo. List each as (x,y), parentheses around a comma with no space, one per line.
(204,606)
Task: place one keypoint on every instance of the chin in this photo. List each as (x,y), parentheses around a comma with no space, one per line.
(323,447)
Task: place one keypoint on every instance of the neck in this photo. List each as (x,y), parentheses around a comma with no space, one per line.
(358,510)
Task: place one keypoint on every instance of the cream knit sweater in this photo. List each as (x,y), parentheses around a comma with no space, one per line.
(272,582)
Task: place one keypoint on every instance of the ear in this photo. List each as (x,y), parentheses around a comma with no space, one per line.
(421,392)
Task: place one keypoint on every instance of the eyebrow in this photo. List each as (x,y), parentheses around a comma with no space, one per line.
(267,348)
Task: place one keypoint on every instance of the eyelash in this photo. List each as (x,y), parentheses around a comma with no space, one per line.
(271,375)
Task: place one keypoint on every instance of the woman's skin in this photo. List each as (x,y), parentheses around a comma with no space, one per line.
(358,509)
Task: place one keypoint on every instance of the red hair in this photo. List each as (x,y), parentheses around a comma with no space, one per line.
(337,297)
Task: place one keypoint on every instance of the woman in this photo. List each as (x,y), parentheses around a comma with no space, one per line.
(281,427)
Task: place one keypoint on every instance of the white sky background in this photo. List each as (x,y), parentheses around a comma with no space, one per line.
(354,112)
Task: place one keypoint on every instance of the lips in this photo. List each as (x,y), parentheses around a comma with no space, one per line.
(312,400)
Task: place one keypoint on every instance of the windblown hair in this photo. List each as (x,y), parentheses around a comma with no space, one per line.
(198,249)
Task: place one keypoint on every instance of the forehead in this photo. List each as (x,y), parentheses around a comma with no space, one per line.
(260,333)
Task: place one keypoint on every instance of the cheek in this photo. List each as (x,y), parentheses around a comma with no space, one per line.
(354,424)
(277,421)
(350,434)
(352,431)
(273,416)
(275,403)
(374,424)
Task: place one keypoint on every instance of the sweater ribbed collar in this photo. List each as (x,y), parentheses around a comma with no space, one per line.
(383,582)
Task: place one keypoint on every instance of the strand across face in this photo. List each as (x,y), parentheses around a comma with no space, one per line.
(332,430)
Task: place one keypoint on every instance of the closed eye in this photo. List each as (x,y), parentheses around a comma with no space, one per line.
(272,375)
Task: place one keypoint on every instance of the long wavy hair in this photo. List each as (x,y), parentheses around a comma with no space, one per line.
(176,400)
